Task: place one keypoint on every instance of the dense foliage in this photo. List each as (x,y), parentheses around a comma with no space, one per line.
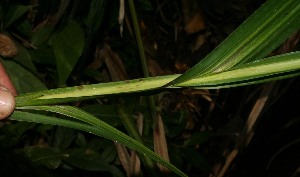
(75,45)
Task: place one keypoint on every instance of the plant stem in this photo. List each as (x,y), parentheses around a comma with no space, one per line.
(143,61)
(138,38)
(130,127)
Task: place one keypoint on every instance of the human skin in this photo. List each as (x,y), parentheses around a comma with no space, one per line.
(7,94)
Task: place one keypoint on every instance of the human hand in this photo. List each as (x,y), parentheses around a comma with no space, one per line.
(7,93)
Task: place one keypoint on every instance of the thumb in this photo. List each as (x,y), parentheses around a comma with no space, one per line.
(7,103)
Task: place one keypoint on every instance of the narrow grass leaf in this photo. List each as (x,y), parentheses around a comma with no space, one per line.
(261,33)
(62,95)
(96,127)
(269,69)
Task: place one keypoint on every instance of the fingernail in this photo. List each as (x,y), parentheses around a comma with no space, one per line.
(7,103)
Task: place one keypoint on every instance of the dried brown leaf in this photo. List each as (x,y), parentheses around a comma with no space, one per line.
(195,24)
(160,142)
(113,62)
(154,68)
(124,157)
(7,46)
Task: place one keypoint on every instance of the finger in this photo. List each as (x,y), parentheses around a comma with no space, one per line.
(7,103)
(6,82)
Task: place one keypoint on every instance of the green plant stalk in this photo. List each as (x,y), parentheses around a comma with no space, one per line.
(143,58)
(260,33)
(138,38)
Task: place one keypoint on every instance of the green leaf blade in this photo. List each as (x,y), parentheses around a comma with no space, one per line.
(14,12)
(104,131)
(89,91)
(68,45)
(269,69)
(87,160)
(47,156)
(262,32)
(23,80)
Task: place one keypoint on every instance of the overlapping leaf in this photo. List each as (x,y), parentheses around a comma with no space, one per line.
(261,33)
(90,124)
(237,61)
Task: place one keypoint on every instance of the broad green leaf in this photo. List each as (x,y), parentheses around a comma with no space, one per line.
(63,137)
(23,80)
(23,58)
(68,46)
(11,133)
(262,32)
(13,13)
(24,28)
(101,129)
(87,159)
(41,36)
(47,156)
(43,55)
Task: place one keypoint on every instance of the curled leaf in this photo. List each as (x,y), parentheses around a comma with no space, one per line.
(7,46)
